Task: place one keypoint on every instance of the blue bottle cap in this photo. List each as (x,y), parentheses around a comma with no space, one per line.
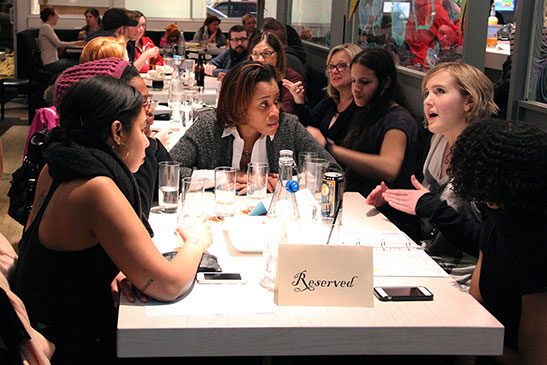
(292,186)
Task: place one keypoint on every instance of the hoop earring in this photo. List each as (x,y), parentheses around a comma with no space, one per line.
(116,147)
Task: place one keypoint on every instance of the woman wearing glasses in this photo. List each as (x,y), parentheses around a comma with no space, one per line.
(333,115)
(267,48)
(382,144)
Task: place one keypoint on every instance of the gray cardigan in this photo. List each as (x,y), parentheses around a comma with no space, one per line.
(203,147)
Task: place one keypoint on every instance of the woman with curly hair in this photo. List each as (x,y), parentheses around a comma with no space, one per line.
(503,164)
(456,95)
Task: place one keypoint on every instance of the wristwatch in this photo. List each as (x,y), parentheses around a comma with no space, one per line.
(329,144)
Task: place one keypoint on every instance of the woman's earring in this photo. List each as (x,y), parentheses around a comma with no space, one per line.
(121,145)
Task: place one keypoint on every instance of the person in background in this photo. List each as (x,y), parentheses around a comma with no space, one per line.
(249,23)
(233,56)
(267,48)
(115,21)
(294,50)
(210,32)
(93,23)
(49,44)
(144,47)
(87,187)
(171,36)
(247,126)
(456,95)
(382,144)
(104,47)
(333,115)
(502,164)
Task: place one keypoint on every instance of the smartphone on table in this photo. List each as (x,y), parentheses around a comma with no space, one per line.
(219,278)
(402,293)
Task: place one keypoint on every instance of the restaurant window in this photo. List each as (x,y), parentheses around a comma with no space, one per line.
(419,33)
(311,19)
(537,87)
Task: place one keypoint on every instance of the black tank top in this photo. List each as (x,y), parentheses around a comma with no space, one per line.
(67,294)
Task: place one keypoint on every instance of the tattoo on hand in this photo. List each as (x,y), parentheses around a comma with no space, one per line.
(147,285)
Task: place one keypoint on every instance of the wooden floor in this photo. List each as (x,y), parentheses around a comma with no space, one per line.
(13,141)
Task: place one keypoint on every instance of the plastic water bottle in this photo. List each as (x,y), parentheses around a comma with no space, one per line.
(283,203)
(182,46)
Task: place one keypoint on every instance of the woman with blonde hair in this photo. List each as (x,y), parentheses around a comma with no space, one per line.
(331,116)
(455,96)
(104,47)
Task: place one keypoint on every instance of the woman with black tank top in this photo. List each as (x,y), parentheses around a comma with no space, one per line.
(85,226)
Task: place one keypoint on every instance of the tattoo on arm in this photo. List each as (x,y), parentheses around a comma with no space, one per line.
(147,285)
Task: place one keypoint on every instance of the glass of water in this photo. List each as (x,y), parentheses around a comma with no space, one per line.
(190,207)
(257,183)
(169,181)
(225,191)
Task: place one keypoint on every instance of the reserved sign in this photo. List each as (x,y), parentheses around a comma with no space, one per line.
(324,275)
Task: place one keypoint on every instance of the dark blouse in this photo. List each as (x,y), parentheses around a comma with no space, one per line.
(321,115)
(513,264)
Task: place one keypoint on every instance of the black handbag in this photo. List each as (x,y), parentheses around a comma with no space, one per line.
(24,179)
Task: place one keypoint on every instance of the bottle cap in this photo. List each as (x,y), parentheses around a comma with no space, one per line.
(292,186)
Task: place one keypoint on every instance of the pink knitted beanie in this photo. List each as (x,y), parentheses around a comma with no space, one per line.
(104,67)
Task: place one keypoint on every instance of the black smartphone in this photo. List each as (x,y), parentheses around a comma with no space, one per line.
(403,293)
(219,278)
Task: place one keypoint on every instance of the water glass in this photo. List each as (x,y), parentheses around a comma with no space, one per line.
(190,204)
(304,157)
(257,183)
(225,191)
(276,234)
(190,97)
(169,180)
(169,64)
(189,65)
(315,169)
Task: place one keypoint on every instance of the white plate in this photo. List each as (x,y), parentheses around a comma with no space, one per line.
(247,233)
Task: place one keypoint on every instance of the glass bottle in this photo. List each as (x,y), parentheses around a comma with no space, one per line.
(200,71)
(181,47)
(175,94)
(283,203)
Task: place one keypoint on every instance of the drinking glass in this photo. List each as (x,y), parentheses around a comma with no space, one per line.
(189,65)
(303,157)
(168,63)
(276,234)
(315,169)
(190,204)
(190,96)
(157,80)
(257,183)
(225,191)
(169,180)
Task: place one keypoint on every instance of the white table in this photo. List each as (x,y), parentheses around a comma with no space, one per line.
(209,91)
(496,56)
(452,324)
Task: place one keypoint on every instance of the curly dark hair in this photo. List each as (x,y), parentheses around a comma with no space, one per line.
(502,162)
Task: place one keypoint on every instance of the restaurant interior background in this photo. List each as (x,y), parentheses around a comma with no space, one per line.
(366,22)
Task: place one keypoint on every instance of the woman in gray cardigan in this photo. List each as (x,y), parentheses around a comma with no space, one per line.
(246,127)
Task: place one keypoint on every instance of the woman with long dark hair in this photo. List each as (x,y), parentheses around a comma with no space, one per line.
(93,23)
(210,32)
(87,187)
(382,141)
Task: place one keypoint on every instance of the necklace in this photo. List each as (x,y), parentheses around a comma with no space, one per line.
(247,154)
(427,26)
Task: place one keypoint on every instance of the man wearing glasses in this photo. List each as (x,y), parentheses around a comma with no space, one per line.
(233,56)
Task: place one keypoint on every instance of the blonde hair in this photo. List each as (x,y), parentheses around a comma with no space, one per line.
(103,47)
(351,50)
(470,81)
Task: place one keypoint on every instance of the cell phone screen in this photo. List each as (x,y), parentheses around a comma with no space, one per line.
(221,276)
(404,292)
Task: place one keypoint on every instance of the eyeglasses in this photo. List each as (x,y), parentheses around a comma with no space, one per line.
(341,67)
(265,54)
(241,39)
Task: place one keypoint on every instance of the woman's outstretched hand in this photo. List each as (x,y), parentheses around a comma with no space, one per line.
(405,200)
(375,197)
